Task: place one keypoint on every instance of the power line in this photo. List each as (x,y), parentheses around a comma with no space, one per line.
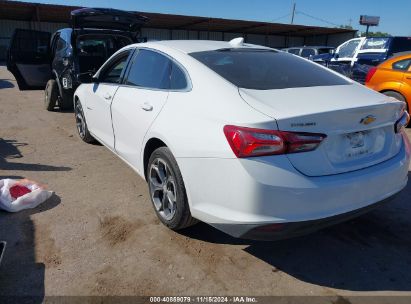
(279,18)
(316,18)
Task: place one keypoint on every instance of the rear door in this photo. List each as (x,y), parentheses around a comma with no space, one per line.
(139,101)
(28,58)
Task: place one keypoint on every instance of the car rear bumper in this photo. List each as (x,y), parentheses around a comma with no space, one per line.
(278,231)
(240,195)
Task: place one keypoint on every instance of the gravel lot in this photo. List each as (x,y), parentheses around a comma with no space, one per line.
(99,235)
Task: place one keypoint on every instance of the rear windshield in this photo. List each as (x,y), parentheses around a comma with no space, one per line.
(266,69)
(375,43)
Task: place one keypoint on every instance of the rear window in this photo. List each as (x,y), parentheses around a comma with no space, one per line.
(402,65)
(375,43)
(267,69)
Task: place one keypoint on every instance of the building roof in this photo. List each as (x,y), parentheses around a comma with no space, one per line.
(14,10)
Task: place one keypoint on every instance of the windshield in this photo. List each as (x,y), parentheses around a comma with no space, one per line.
(267,69)
(375,43)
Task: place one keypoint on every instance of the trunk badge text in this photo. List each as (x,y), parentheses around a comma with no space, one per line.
(368,119)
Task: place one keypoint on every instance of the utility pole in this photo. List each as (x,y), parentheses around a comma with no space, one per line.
(293,13)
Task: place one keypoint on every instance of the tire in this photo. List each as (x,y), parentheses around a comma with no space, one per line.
(164,176)
(50,95)
(66,100)
(81,124)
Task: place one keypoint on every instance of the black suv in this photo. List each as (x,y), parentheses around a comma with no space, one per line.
(40,60)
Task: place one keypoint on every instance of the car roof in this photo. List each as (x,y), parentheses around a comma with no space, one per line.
(191,46)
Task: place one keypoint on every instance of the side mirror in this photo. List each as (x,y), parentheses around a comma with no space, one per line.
(336,55)
(86,78)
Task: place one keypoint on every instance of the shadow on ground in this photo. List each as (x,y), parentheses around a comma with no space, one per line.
(369,253)
(20,274)
(6,84)
(9,150)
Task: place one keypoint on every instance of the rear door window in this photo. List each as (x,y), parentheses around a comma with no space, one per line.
(149,70)
(267,69)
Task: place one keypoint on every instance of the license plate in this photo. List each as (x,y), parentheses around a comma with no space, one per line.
(357,144)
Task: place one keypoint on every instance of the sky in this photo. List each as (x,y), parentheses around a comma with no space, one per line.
(395,14)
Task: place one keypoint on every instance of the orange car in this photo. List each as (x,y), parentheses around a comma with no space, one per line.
(392,78)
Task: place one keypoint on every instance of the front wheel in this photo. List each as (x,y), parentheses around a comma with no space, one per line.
(81,124)
(167,190)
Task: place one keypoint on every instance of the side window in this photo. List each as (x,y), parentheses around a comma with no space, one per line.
(178,79)
(114,71)
(402,65)
(307,53)
(150,70)
(348,49)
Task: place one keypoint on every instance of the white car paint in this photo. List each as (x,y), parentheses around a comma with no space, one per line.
(235,194)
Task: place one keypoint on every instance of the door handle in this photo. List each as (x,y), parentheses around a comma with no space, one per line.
(408,77)
(147,107)
(107,96)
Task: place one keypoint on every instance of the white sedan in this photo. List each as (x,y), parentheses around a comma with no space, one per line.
(256,142)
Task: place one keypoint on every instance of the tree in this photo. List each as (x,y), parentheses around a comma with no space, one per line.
(375,34)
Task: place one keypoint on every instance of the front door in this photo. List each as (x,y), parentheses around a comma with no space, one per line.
(138,102)
(28,58)
(98,106)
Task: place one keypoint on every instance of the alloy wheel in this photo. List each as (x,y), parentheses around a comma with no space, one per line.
(163,189)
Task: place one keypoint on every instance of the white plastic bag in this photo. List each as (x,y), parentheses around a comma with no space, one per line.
(35,196)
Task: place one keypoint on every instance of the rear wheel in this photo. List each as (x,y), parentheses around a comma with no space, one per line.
(167,190)
(81,124)
(50,95)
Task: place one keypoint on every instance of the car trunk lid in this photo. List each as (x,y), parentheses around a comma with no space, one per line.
(103,18)
(359,124)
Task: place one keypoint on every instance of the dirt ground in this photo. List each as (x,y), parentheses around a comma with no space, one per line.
(98,234)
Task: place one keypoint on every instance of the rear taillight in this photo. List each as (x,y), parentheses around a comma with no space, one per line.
(249,142)
(370,73)
(403,122)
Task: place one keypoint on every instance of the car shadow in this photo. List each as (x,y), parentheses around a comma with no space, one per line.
(6,84)
(369,253)
(20,274)
(9,150)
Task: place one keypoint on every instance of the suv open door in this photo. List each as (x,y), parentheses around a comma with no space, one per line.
(28,58)
(106,18)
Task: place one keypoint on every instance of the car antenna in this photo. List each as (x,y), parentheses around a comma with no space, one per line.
(236,42)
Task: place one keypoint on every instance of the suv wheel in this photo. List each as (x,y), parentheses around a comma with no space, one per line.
(50,95)
(167,190)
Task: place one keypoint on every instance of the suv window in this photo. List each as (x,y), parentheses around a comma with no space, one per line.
(307,53)
(178,79)
(114,71)
(401,44)
(294,51)
(347,50)
(401,65)
(150,70)
(259,69)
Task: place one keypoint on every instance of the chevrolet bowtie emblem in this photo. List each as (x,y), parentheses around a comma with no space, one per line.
(368,119)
